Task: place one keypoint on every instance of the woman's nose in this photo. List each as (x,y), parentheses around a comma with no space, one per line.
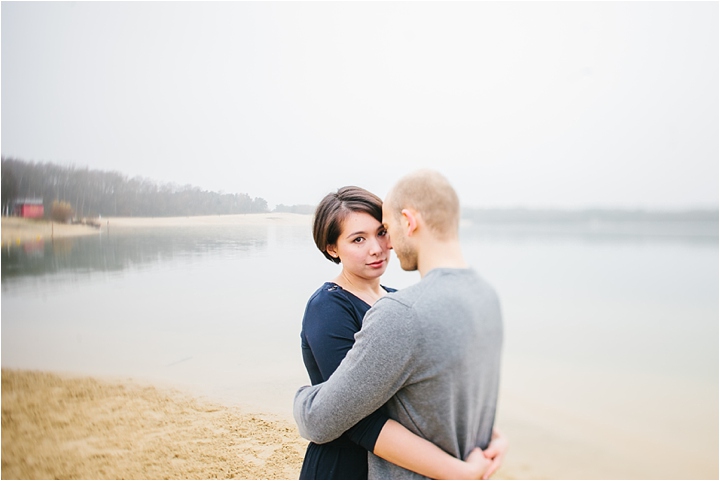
(376,246)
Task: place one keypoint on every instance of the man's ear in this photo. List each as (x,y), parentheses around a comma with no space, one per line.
(410,221)
(332,251)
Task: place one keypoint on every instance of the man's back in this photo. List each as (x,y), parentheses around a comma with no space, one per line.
(450,394)
(431,354)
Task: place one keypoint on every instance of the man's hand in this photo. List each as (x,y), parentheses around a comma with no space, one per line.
(478,464)
(495,452)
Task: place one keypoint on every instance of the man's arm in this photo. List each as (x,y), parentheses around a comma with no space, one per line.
(372,372)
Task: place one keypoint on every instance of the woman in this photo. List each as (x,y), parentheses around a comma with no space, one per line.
(348,228)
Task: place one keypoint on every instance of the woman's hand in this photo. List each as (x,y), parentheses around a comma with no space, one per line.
(477,464)
(495,452)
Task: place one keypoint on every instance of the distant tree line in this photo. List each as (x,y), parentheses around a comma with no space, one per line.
(97,192)
(295,209)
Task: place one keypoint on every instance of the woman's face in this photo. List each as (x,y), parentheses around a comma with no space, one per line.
(362,246)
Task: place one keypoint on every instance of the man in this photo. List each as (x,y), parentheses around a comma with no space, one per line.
(429,353)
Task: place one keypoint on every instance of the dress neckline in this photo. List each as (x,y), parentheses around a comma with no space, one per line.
(334,284)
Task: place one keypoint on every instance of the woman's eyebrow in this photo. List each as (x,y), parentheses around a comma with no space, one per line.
(355,233)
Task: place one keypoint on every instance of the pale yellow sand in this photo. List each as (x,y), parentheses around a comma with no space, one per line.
(58,427)
(16,230)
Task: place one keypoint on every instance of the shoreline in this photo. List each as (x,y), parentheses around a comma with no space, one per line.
(17,230)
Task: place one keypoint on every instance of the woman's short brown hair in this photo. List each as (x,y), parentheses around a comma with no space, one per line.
(332,210)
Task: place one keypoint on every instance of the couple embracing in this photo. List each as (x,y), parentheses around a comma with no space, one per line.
(405,383)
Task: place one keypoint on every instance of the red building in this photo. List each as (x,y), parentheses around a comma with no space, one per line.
(29,208)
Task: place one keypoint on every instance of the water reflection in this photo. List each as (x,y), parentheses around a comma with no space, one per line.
(126,248)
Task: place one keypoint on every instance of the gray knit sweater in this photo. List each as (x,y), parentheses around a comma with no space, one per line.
(431,354)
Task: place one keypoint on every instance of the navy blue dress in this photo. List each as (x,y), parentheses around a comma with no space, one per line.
(332,317)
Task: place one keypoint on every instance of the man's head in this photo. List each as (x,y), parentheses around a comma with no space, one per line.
(422,205)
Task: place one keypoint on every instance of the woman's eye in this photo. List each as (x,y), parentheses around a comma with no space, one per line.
(382,233)
(358,240)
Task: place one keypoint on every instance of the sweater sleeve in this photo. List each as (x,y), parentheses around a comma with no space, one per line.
(377,366)
(330,325)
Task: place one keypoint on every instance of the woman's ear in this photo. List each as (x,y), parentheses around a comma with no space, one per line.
(332,252)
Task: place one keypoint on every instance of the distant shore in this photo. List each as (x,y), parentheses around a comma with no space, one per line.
(17,230)
(269,218)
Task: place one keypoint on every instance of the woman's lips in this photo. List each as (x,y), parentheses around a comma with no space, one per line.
(377,264)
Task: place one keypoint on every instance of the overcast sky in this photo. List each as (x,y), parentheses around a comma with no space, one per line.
(567,104)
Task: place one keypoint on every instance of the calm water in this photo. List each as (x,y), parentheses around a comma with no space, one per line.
(604,325)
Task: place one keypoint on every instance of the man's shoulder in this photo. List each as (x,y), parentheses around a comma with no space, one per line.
(436,282)
(401,299)
(399,307)
(439,287)
(443,280)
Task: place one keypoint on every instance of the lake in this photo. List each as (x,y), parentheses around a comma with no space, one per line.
(611,331)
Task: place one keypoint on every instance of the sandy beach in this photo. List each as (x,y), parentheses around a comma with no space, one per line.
(63,427)
(18,230)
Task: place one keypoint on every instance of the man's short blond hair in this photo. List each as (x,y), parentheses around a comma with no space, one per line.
(430,194)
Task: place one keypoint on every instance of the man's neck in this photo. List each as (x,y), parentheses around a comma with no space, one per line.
(434,254)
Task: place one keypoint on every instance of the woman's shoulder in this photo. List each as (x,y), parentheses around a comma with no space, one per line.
(331,304)
(329,293)
(328,289)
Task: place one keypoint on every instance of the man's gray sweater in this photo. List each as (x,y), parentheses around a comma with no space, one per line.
(431,354)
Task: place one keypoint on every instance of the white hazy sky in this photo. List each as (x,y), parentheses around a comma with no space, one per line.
(539,104)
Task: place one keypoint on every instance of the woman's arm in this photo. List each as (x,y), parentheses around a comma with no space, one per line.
(495,452)
(402,447)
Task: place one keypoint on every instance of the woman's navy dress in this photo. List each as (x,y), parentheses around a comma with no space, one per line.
(332,317)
